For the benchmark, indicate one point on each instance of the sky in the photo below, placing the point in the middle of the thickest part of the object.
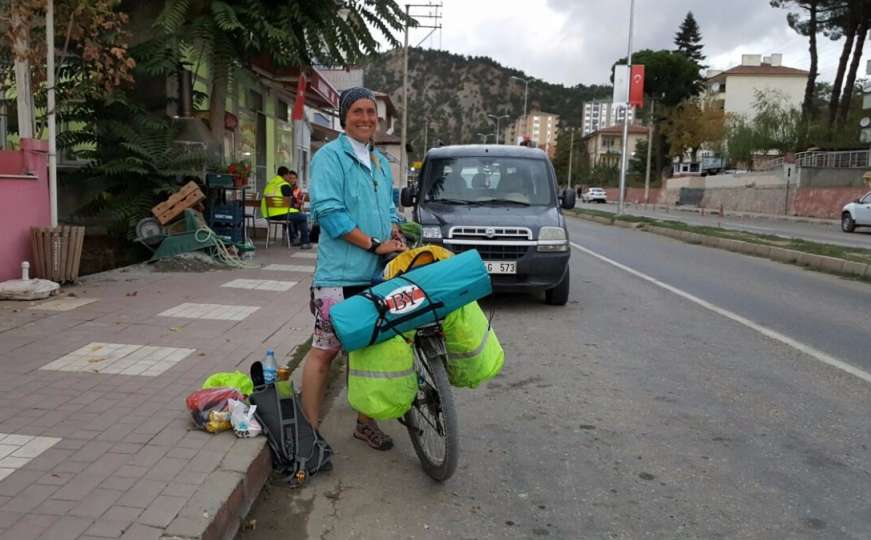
(576, 41)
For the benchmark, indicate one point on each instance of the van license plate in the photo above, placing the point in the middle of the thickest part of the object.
(501, 267)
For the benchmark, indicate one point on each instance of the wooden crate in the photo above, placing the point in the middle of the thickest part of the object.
(189, 195)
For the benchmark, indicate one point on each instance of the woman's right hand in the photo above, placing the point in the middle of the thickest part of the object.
(390, 246)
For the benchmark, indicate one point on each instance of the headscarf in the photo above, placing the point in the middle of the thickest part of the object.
(348, 98)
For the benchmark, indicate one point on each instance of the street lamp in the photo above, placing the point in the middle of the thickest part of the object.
(484, 136)
(497, 119)
(525, 92)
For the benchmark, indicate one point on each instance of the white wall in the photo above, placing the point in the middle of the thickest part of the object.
(741, 91)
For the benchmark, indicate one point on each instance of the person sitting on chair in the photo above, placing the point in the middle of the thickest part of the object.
(281, 190)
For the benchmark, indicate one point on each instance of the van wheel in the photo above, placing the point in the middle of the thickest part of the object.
(847, 223)
(559, 295)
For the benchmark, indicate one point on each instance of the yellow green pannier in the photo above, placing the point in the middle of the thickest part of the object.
(474, 352)
(382, 382)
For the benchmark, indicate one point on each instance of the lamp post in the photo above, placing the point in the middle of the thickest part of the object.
(571, 155)
(497, 119)
(484, 137)
(525, 91)
(623, 156)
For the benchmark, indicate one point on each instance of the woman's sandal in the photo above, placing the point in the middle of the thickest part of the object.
(372, 435)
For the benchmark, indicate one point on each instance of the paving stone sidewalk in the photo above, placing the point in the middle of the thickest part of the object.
(95, 440)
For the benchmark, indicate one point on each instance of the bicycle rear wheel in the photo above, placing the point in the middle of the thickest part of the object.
(432, 419)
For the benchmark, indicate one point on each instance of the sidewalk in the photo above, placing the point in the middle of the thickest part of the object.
(728, 213)
(95, 440)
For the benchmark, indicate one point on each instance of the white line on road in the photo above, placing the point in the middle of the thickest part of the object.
(806, 349)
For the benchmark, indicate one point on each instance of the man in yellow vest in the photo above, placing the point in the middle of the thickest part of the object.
(280, 190)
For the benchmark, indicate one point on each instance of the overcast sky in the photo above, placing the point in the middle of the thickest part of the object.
(576, 41)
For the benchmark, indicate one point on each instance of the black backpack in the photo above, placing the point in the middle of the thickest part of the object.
(298, 451)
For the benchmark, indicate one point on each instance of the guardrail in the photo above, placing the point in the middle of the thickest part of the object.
(852, 159)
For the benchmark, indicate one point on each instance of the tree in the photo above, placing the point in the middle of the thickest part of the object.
(297, 33)
(775, 126)
(638, 161)
(688, 39)
(580, 159)
(692, 125)
(669, 77)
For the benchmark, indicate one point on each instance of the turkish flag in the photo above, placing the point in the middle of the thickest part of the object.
(636, 85)
(299, 103)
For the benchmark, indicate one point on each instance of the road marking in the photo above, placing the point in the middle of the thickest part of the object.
(768, 332)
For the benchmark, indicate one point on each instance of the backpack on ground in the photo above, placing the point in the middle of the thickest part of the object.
(298, 451)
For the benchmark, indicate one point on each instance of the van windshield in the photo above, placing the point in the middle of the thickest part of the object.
(482, 180)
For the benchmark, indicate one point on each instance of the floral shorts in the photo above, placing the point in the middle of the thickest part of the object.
(322, 300)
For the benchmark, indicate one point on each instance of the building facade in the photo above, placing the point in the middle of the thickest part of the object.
(734, 90)
(538, 127)
(603, 114)
(604, 146)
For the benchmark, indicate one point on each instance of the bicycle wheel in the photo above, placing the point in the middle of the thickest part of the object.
(432, 419)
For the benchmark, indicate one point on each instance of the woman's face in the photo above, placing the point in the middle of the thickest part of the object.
(362, 120)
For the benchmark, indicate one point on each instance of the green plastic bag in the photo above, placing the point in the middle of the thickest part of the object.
(237, 380)
(382, 382)
(474, 352)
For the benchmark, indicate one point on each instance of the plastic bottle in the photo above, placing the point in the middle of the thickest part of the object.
(270, 368)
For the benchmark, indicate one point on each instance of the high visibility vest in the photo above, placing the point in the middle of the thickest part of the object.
(273, 190)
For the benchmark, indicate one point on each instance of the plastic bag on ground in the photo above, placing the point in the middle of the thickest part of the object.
(237, 380)
(208, 407)
(242, 419)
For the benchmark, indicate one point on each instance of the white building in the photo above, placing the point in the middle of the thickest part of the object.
(603, 114)
(735, 89)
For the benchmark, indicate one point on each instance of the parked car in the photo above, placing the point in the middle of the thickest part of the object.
(504, 202)
(856, 214)
(594, 194)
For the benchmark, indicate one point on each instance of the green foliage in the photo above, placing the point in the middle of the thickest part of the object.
(669, 77)
(638, 161)
(132, 160)
(775, 126)
(577, 152)
(688, 39)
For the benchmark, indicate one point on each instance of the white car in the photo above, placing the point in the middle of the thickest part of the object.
(594, 194)
(856, 214)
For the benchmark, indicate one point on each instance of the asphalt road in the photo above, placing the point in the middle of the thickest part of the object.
(827, 233)
(633, 412)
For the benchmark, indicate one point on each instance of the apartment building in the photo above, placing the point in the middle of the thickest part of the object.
(735, 89)
(539, 127)
(603, 114)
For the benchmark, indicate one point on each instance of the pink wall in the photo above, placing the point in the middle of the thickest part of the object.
(24, 203)
(825, 202)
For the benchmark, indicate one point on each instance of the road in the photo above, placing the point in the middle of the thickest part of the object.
(661, 402)
(826, 233)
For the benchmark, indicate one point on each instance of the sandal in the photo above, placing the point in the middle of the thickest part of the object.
(372, 435)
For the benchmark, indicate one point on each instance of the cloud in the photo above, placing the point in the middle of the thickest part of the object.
(576, 41)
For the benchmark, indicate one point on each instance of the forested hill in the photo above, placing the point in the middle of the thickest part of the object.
(457, 92)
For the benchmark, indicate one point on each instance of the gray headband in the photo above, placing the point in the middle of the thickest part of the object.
(348, 98)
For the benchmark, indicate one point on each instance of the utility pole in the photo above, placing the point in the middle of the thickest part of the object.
(433, 15)
(52, 127)
(623, 156)
(571, 151)
(425, 135)
(649, 146)
(498, 119)
(525, 92)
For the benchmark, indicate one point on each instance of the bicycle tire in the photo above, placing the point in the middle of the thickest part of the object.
(442, 469)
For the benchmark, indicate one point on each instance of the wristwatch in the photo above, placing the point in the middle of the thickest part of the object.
(375, 243)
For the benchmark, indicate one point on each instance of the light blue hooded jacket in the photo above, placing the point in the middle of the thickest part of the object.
(346, 194)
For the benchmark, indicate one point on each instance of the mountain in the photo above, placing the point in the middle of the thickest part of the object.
(457, 92)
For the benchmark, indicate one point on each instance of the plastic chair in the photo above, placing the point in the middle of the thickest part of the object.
(282, 222)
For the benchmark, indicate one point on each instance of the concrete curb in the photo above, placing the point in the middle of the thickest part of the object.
(216, 510)
(821, 263)
(732, 213)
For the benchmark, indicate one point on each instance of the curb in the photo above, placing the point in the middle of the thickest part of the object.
(733, 213)
(216, 510)
(821, 263)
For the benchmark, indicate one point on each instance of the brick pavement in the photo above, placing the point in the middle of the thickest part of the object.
(106, 453)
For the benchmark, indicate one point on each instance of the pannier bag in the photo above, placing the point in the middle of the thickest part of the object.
(298, 451)
(413, 258)
(474, 352)
(421, 296)
(382, 382)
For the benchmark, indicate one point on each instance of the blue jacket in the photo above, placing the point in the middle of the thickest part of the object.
(345, 194)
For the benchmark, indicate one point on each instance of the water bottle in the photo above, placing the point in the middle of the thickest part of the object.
(270, 368)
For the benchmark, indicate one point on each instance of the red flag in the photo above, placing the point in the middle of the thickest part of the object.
(636, 85)
(299, 103)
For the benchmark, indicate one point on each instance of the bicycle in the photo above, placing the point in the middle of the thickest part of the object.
(432, 420)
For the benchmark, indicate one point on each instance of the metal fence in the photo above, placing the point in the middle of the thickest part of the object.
(853, 159)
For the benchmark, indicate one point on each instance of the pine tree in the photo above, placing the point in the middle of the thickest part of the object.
(689, 39)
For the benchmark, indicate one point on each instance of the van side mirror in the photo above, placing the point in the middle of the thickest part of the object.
(568, 199)
(408, 196)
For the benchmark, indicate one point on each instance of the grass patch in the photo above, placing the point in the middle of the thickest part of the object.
(815, 248)
(298, 353)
